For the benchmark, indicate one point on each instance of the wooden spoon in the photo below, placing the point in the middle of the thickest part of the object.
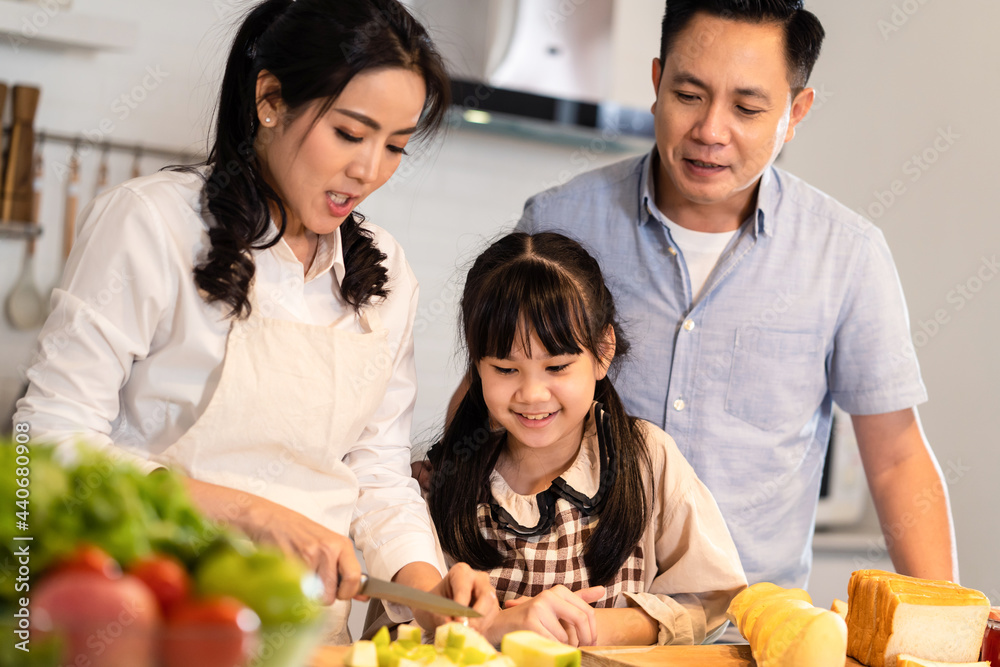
(17, 188)
(26, 306)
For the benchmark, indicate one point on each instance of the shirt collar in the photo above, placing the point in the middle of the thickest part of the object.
(329, 256)
(580, 484)
(768, 196)
(647, 199)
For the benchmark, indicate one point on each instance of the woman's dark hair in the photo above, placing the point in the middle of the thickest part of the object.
(803, 31)
(313, 48)
(545, 284)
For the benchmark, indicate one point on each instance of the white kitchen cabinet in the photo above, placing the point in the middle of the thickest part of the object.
(49, 23)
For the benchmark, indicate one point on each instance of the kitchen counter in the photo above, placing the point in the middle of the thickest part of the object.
(624, 656)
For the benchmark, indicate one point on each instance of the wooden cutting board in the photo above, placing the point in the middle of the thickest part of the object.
(717, 655)
(622, 656)
(329, 656)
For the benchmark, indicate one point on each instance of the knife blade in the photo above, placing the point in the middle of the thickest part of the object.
(413, 597)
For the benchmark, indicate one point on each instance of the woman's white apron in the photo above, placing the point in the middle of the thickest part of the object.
(292, 400)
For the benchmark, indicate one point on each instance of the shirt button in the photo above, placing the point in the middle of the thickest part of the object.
(672, 251)
(679, 404)
(688, 325)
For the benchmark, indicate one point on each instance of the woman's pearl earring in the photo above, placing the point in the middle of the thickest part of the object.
(267, 120)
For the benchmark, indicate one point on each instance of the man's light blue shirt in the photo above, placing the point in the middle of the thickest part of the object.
(804, 307)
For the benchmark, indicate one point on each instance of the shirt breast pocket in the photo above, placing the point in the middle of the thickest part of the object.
(776, 377)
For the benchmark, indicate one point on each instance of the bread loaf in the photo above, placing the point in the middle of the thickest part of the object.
(889, 614)
(904, 660)
(785, 630)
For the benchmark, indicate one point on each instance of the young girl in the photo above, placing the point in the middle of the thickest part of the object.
(542, 480)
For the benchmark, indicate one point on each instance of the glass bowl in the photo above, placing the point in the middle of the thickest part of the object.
(119, 644)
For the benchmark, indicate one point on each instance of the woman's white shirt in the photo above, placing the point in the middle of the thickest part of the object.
(132, 353)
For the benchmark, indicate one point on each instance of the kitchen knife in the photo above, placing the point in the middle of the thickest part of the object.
(413, 597)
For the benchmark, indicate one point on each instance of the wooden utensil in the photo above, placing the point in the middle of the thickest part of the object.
(26, 306)
(3, 101)
(136, 162)
(102, 172)
(17, 190)
(72, 199)
(37, 183)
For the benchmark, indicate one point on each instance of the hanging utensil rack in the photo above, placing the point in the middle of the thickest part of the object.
(21, 230)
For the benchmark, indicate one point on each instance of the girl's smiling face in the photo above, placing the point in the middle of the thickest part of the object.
(540, 399)
(322, 168)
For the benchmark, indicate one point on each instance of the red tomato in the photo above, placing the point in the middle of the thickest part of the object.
(89, 558)
(209, 632)
(100, 621)
(166, 577)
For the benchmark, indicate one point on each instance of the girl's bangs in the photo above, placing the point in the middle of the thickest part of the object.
(524, 298)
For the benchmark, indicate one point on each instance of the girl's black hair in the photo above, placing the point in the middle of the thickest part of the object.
(313, 48)
(545, 284)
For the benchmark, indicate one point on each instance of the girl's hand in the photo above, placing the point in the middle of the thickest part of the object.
(466, 587)
(557, 613)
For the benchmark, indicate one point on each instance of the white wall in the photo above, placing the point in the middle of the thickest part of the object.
(885, 95)
(897, 78)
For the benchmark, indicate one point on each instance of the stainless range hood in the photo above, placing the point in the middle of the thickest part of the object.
(544, 59)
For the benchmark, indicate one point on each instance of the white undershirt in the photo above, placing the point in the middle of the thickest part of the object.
(701, 252)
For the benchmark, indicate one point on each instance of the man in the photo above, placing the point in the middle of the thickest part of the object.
(754, 301)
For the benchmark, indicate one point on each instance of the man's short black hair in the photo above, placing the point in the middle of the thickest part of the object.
(803, 31)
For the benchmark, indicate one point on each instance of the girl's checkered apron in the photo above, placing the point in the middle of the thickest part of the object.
(551, 552)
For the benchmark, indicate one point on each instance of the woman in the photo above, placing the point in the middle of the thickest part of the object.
(258, 259)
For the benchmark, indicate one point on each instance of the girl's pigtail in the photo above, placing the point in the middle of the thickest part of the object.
(627, 507)
(462, 462)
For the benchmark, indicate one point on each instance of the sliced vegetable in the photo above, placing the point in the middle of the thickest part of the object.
(530, 649)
